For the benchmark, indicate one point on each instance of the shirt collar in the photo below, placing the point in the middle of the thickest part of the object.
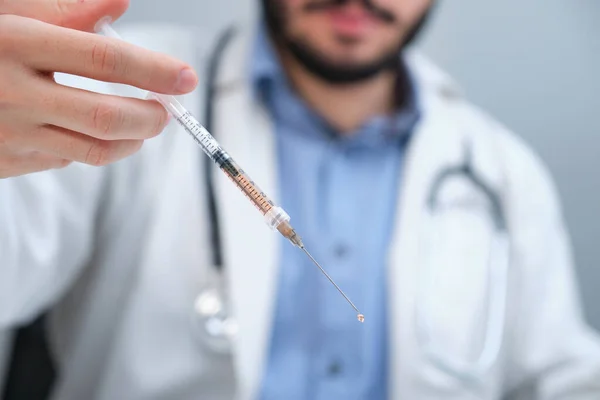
(266, 72)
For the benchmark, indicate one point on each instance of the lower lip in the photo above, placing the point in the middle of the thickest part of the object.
(350, 25)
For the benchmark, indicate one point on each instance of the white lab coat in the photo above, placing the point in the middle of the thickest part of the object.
(120, 253)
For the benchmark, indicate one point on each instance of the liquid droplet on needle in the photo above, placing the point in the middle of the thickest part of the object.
(361, 318)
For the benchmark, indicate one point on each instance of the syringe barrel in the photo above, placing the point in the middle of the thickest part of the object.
(274, 215)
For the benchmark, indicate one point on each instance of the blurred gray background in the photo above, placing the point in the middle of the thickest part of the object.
(533, 64)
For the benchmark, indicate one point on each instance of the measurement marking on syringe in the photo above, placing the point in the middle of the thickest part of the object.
(252, 192)
(248, 188)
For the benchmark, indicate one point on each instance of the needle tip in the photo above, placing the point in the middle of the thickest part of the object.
(361, 318)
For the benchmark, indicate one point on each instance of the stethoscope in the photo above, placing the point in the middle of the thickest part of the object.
(211, 318)
(217, 329)
(469, 372)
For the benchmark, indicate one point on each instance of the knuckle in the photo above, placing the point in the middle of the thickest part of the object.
(107, 118)
(107, 58)
(100, 154)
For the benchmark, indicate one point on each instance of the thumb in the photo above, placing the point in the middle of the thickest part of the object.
(75, 14)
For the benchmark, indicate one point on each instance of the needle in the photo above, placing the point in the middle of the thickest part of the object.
(360, 317)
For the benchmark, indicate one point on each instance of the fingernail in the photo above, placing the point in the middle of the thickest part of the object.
(187, 81)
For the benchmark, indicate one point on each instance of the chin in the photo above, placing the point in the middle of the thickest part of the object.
(354, 54)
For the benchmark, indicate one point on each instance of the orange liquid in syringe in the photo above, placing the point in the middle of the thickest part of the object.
(247, 186)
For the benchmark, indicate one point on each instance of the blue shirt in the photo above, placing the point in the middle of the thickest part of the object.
(341, 192)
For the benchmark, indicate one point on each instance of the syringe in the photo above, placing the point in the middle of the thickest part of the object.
(275, 217)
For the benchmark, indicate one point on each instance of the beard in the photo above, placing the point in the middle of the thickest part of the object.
(319, 64)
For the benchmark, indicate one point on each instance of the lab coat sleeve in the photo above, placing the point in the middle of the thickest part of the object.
(551, 349)
(47, 222)
(46, 234)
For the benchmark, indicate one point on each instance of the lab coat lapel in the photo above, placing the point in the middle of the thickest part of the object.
(250, 247)
(436, 144)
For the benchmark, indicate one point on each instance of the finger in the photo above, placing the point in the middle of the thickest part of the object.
(74, 146)
(74, 14)
(102, 116)
(12, 165)
(47, 47)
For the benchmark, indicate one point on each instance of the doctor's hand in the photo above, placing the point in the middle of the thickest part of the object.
(44, 125)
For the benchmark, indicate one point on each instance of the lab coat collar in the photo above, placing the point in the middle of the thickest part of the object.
(251, 250)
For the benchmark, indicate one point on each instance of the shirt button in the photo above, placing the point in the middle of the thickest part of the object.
(334, 369)
(340, 251)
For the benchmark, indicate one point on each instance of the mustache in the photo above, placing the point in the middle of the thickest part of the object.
(376, 11)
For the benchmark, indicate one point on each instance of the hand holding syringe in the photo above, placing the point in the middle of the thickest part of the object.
(275, 216)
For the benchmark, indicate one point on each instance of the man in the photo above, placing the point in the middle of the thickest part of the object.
(349, 132)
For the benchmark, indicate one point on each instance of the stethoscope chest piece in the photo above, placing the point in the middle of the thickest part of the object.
(212, 321)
